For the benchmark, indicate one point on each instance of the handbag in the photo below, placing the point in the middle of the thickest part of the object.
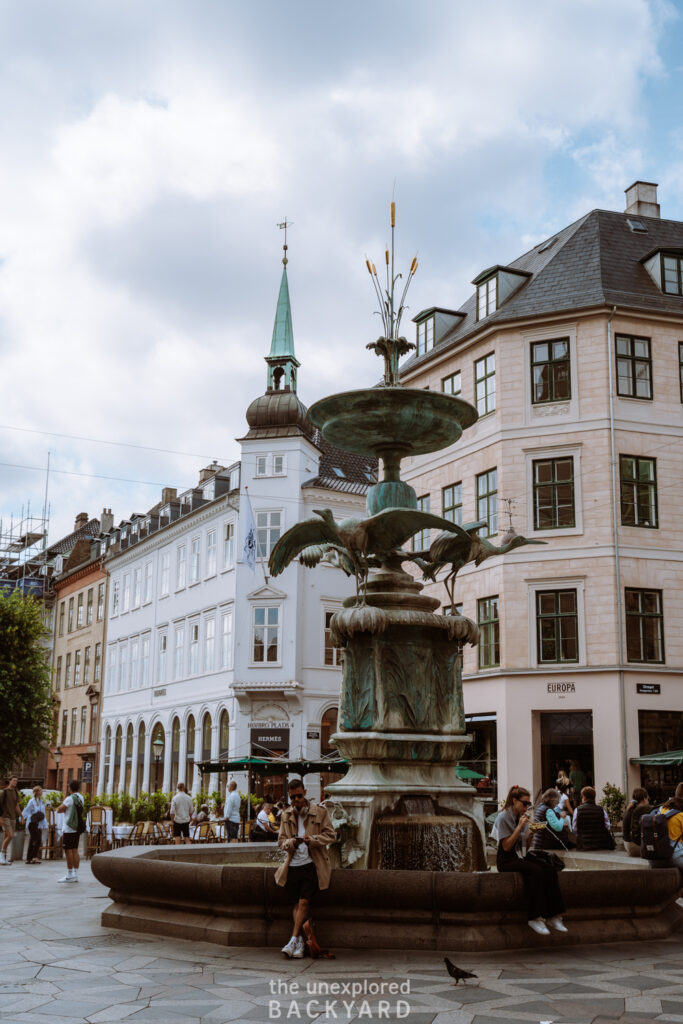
(546, 857)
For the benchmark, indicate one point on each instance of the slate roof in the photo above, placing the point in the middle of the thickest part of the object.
(66, 544)
(354, 467)
(596, 261)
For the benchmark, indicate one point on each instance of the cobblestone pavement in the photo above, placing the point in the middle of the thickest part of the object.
(59, 965)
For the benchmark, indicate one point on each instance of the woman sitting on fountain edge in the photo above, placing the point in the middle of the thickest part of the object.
(544, 899)
(305, 833)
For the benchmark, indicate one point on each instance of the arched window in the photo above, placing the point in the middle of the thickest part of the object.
(107, 759)
(189, 762)
(117, 759)
(223, 743)
(206, 745)
(129, 759)
(158, 745)
(175, 753)
(141, 759)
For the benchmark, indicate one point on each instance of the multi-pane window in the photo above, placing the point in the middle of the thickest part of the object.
(209, 643)
(421, 539)
(487, 502)
(144, 661)
(61, 617)
(58, 674)
(268, 530)
(486, 297)
(226, 638)
(97, 667)
(452, 609)
(65, 726)
(79, 612)
(553, 493)
(425, 336)
(86, 667)
(134, 653)
(557, 626)
(332, 653)
(163, 644)
(115, 597)
(147, 583)
(485, 383)
(451, 503)
(178, 652)
(195, 559)
(94, 709)
(70, 623)
(84, 724)
(137, 582)
(452, 385)
(88, 612)
(111, 667)
(194, 648)
(278, 465)
(266, 634)
(164, 573)
(634, 367)
(100, 601)
(180, 559)
(211, 553)
(67, 671)
(123, 667)
(550, 374)
(125, 592)
(644, 625)
(638, 491)
(77, 668)
(74, 725)
(672, 274)
(228, 545)
(489, 632)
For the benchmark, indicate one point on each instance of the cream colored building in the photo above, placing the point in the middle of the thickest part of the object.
(573, 355)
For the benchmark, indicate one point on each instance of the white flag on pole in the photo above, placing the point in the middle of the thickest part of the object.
(249, 534)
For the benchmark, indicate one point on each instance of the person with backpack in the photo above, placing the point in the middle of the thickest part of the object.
(662, 834)
(10, 812)
(74, 826)
(630, 827)
(591, 824)
(35, 817)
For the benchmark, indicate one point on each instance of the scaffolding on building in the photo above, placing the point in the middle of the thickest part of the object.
(23, 553)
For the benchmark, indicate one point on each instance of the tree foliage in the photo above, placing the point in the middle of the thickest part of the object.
(25, 689)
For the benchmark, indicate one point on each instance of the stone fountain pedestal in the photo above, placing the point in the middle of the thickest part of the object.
(402, 728)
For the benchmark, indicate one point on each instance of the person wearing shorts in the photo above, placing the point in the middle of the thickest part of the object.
(305, 833)
(10, 810)
(181, 811)
(70, 836)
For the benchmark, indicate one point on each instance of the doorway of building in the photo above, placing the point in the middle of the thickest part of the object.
(566, 739)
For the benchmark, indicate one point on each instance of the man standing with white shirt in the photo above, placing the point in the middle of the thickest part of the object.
(233, 802)
(73, 826)
(181, 812)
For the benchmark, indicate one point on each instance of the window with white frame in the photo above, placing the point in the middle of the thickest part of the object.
(261, 465)
(332, 654)
(266, 635)
(486, 297)
(112, 652)
(228, 545)
(425, 336)
(77, 668)
(84, 724)
(86, 667)
(125, 592)
(123, 667)
(211, 553)
(97, 667)
(268, 531)
(178, 651)
(226, 637)
(278, 465)
(88, 612)
(195, 559)
(181, 555)
(79, 612)
(164, 573)
(100, 601)
(144, 660)
(209, 643)
(137, 586)
(194, 648)
(134, 651)
(163, 650)
(67, 671)
(147, 583)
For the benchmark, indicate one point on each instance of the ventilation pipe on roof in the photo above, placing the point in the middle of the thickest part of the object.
(641, 199)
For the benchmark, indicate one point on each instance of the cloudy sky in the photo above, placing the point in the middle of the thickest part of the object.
(149, 149)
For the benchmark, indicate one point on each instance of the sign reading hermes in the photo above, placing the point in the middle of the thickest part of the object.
(561, 687)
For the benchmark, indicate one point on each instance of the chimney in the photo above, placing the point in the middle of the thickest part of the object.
(168, 494)
(81, 520)
(641, 199)
(209, 471)
(106, 520)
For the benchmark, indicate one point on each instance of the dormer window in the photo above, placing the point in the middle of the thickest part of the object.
(425, 336)
(339, 472)
(486, 297)
(672, 274)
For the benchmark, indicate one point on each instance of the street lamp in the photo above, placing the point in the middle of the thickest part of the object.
(158, 749)
(57, 757)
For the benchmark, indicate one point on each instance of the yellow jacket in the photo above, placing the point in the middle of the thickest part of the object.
(321, 831)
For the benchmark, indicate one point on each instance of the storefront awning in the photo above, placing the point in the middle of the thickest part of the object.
(468, 773)
(667, 759)
(275, 766)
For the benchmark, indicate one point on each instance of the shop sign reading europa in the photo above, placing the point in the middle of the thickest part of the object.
(561, 687)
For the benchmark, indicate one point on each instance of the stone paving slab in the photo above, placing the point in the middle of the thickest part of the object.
(59, 966)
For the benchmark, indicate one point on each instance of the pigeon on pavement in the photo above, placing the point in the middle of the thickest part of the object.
(457, 972)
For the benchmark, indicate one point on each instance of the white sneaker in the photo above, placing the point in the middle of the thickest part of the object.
(557, 924)
(3, 858)
(538, 926)
(291, 947)
(74, 878)
(66, 878)
(299, 951)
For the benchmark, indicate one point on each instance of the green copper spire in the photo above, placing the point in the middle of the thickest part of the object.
(282, 363)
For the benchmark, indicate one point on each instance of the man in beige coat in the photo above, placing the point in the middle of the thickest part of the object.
(305, 833)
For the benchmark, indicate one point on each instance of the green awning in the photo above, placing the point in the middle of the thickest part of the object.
(667, 759)
(467, 773)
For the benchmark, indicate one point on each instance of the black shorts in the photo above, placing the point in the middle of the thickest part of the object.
(181, 828)
(302, 883)
(232, 829)
(70, 840)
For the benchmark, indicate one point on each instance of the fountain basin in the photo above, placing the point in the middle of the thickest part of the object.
(201, 894)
